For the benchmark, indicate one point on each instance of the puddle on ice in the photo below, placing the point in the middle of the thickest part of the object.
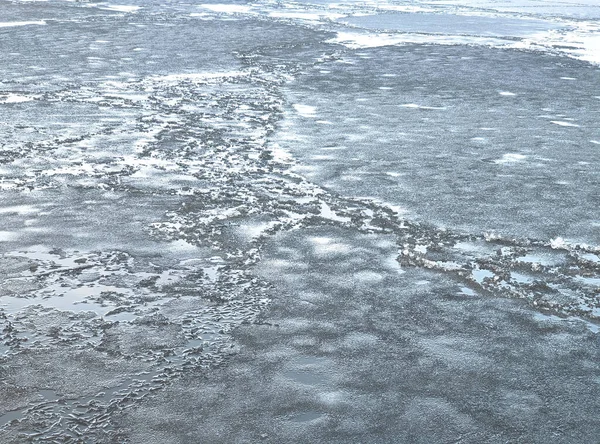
(591, 257)
(306, 416)
(11, 416)
(521, 278)
(73, 300)
(480, 274)
(305, 377)
(545, 260)
(428, 23)
(310, 361)
(467, 291)
(589, 281)
(543, 317)
(477, 247)
(547, 317)
(49, 395)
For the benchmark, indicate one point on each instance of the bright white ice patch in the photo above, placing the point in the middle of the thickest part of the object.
(7, 236)
(325, 246)
(312, 16)
(328, 213)
(121, 8)
(14, 98)
(506, 93)
(227, 9)
(19, 209)
(305, 110)
(558, 243)
(582, 42)
(563, 123)
(9, 24)
(510, 158)
(356, 40)
(198, 77)
(415, 106)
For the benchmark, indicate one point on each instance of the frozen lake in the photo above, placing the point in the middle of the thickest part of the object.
(313, 221)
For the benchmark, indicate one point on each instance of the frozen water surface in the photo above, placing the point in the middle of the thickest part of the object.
(317, 221)
(452, 24)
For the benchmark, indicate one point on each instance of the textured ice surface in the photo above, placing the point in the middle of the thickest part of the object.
(219, 224)
(398, 359)
(477, 146)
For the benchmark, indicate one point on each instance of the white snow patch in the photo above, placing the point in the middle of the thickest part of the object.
(510, 158)
(415, 106)
(121, 8)
(563, 123)
(312, 16)
(7, 236)
(14, 98)
(421, 249)
(328, 213)
(355, 40)
(506, 93)
(227, 9)
(19, 209)
(558, 243)
(305, 110)
(199, 77)
(581, 42)
(10, 24)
